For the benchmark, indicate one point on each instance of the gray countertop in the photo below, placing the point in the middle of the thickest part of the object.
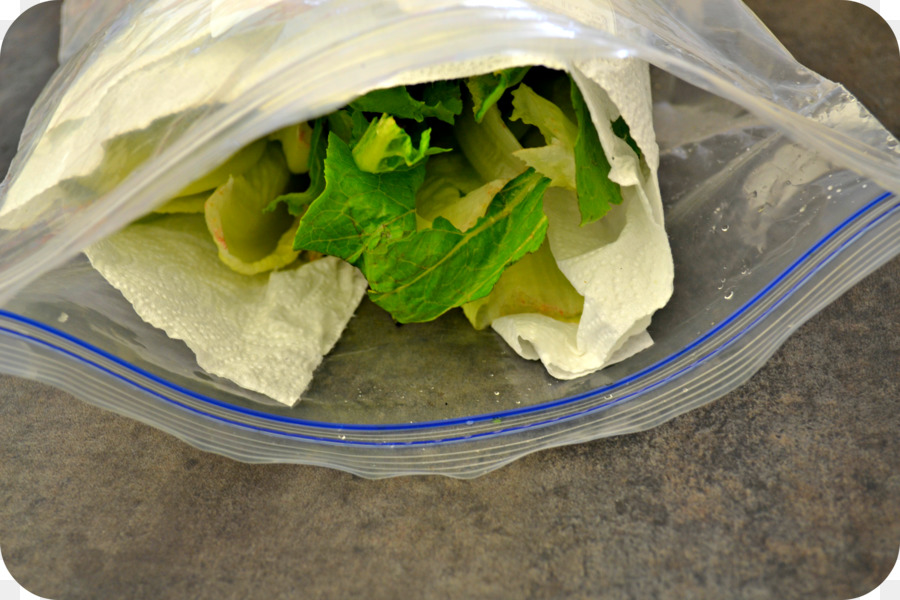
(787, 487)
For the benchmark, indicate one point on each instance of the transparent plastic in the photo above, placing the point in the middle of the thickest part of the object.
(775, 182)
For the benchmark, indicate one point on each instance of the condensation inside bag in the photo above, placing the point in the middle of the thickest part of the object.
(750, 131)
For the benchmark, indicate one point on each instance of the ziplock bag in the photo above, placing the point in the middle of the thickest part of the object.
(773, 180)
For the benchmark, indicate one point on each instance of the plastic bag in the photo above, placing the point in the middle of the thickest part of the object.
(772, 176)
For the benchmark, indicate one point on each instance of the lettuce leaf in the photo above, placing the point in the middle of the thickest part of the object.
(487, 89)
(533, 285)
(348, 124)
(296, 143)
(448, 178)
(596, 191)
(419, 277)
(369, 220)
(385, 147)
(440, 100)
(489, 146)
(357, 209)
(297, 202)
(236, 217)
(621, 129)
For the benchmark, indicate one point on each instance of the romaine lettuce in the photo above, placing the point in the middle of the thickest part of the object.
(435, 192)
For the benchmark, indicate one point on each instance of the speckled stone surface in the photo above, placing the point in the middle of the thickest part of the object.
(786, 488)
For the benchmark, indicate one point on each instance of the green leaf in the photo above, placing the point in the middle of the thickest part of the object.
(440, 100)
(298, 201)
(358, 209)
(487, 89)
(531, 108)
(533, 285)
(235, 213)
(462, 210)
(419, 277)
(596, 192)
(385, 147)
(296, 142)
(348, 124)
(448, 178)
(443, 99)
(555, 160)
(489, 146)
(621, 129)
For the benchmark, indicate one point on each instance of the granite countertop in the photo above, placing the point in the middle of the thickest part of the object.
(787, 487)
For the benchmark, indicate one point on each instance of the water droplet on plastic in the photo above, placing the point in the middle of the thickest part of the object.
(721, 284)
(608, 397)
(724, 228)
(830, 187)
(745, 271)
(496, 393)
(62, 318)
(470, 422)
(839, 190)
(729, 295)
(865, 185)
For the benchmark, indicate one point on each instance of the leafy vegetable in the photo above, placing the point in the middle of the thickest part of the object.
(357, 208)
(621, 129)
(385, 147)
(448, 178)
(296, 142)
(298, 201)
(420, 277)
(487, 89)
(489, 146)
(435, 192)
(184, 204)
(596, 192)
(533, 285)
(440, 100)
(348, 124)
(235, 214)
(369, 220)
(557, 159)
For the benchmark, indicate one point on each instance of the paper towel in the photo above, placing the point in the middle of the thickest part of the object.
(622, 264)
(268, 332)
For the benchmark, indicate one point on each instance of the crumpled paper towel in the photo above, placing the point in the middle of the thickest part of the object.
(267, 332)
(622, 264)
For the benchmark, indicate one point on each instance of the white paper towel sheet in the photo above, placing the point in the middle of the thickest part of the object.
(268, 332)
